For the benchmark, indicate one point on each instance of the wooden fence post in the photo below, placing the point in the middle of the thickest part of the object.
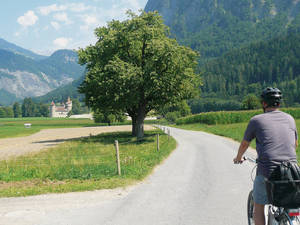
(118, 157)
(157, 142)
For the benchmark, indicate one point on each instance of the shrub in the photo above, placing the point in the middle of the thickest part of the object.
(172, 116)
(222, 117)
(251, 102)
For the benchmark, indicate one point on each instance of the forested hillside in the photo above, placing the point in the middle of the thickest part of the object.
(245, 45)
(249, 69)
(62, 93)
(63, 63)
(214, 27)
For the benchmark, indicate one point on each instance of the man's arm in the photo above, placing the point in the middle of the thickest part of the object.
(242, 149)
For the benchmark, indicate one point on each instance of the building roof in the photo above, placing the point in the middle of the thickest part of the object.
(61, 109)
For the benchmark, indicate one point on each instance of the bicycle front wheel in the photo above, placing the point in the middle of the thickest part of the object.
(250, 207)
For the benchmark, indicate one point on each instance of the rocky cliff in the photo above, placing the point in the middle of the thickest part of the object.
(23, 76)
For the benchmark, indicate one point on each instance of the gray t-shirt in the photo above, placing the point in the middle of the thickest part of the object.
(276, 136)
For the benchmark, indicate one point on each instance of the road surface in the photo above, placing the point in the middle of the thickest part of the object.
(197, 185)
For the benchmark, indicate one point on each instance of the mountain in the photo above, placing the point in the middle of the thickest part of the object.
(5, 45)
(63, 63)
(214, 27)
(60, 94)
(7, 98)
(22, 76)
(245, 45)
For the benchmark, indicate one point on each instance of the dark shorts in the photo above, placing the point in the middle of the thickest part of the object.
(259, 190)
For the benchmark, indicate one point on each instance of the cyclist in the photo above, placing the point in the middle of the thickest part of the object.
(276, 139)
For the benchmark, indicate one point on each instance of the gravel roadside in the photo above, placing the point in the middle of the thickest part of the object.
(11, 147)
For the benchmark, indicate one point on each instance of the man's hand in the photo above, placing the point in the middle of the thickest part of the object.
(242, 149)
(238, 160)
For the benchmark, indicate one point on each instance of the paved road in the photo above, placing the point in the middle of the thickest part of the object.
(197, 184)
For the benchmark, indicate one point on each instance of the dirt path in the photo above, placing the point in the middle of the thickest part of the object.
(11, 147)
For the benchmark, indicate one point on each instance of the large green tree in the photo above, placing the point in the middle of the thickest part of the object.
(2, 112)
(28, 108)
(135, 67)
(17, 110)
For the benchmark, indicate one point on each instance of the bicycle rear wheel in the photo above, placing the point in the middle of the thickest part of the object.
(296, 220)
(250, 207)
(284, 220)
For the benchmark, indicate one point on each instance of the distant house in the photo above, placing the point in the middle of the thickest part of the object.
(62, 110)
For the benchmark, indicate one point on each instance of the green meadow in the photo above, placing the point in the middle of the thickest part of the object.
(84, 164)
(234, 131)
(15, 127)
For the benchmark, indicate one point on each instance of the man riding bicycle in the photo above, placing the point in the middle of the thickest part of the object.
(276, 139)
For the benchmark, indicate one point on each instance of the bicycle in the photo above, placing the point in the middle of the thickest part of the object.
(274, 215)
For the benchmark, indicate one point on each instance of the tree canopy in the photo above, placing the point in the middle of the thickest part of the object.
(135, 67)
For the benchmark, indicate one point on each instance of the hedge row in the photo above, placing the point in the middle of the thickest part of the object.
(225, 117)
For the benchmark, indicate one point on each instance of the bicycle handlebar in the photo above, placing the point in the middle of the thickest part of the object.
(250, 159)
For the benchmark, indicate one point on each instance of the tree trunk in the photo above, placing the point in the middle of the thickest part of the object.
(140, 128)
(140, 122)
(138, 117)
(134, 125)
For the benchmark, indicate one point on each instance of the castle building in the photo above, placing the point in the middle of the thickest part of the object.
(62, 110)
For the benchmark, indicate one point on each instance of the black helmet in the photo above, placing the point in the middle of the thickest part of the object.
(271, 96)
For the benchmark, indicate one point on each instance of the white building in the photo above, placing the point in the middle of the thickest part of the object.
(62, 110)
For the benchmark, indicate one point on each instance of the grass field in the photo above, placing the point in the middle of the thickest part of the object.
(84, 164)
(15, 127)
(234, 131)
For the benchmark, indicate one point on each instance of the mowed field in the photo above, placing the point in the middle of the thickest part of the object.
(14, 127)
(66, 155)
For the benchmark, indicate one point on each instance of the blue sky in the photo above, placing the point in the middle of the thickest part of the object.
(44, 26)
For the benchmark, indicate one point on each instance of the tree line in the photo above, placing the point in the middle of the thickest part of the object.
(26, 109)
(250, 69)
(30, 108)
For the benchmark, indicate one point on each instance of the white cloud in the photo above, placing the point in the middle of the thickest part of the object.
(90, 22)
(45, 52)
(56, 25)
(74, 7)
(62, 17)
(62, 42)
(29, 19)
(46, 28)
(84, 28)
(46, 10)
(78, 7)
